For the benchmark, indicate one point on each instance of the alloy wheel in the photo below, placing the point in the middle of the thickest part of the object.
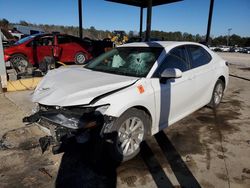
(80, 58)
(130, 134)
(20, 64)
(218, 93)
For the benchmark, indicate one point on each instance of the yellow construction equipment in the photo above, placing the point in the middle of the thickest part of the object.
(119, 37)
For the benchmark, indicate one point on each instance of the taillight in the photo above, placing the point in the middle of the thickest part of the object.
(6, 57)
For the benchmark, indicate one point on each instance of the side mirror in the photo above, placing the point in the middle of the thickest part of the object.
(171, 73)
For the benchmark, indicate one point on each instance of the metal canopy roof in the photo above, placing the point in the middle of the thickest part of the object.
(143, 3)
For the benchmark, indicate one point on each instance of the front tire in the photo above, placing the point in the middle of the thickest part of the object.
(20, 63)
(217, 95)
(131, 127)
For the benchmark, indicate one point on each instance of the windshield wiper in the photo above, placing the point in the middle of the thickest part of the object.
(113, 72)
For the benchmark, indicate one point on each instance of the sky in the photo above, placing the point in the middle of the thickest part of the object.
(185, 16)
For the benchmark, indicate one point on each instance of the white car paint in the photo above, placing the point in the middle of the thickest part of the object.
(166, 103)
(74, 86)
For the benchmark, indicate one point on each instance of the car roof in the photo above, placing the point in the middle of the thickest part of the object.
(164, 44)
(51, 34)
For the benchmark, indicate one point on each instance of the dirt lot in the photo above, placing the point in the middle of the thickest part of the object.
(206, 149)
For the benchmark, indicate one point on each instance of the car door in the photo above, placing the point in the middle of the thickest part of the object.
(67, 48)
(174, 95)
(43, 47)
(202, 69)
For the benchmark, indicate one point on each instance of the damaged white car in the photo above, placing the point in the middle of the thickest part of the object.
(135, 90)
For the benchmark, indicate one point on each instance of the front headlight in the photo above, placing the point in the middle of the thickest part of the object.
(102, 109)
(72, 122)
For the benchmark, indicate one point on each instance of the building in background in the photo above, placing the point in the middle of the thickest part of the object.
(7, 38)
(27, 30)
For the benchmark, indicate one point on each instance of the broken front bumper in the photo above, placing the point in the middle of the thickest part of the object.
(64, 125)
(67, 120)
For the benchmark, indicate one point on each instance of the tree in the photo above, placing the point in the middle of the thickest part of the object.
(187, 37)
(93, 33)
(221, 40)
(198, 38)
(247, 42)
(130, 34)
(4, 23)
(236, 40)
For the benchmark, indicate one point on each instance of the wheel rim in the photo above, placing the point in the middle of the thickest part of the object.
(80, 58)
(218, 93)
(130, 135)
(20, 64)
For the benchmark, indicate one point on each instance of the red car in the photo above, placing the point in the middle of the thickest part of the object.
(31, 50)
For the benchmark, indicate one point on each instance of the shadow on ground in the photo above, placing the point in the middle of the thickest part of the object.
(178, 166)
(92, 164)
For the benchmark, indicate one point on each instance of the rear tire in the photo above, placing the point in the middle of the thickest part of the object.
(217, 95)
(80, 58)
(131, 127)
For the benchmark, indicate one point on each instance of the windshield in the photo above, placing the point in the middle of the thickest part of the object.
(129, 61)
(25, 39)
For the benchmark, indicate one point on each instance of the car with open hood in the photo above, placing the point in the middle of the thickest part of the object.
(134, 90)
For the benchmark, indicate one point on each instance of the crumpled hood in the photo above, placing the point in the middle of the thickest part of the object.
(77, 86)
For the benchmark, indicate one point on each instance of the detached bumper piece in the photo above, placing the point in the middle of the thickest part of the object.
(65, 125)
(45, 142)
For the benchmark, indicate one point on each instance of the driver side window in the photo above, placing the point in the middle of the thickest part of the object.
(172, 61)
(175, 59)
(44, 41)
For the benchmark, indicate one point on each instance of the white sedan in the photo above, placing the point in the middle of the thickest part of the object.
(138, 89)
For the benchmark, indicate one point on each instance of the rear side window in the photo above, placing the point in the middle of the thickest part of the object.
(198, 56)
(63, 39)
(75, 39)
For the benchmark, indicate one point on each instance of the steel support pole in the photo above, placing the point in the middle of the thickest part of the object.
(80, 17)
(3, 75)
(228, 35)
(209, 20)
(149, 16)
(141, 21)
